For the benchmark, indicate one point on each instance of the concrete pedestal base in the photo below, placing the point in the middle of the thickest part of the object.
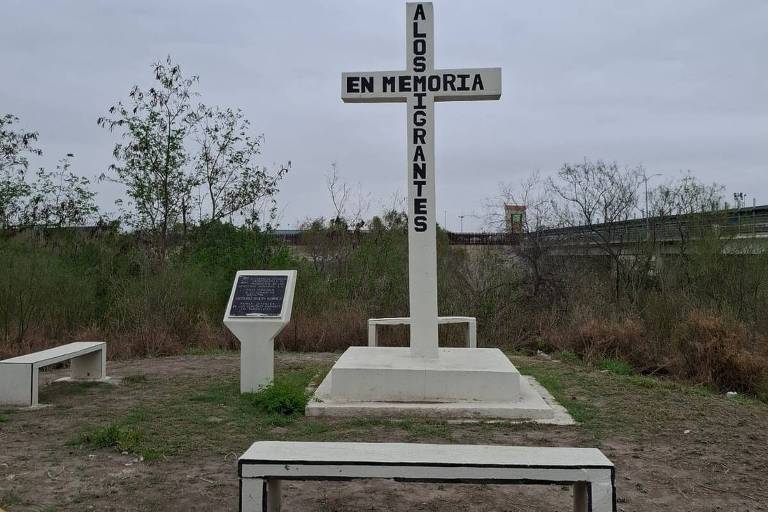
(460, 383)
(256, 365)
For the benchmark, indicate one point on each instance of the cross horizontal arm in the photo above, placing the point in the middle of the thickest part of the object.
(439, 84)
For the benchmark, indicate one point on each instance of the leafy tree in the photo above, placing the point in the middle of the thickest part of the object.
(151, 162)
(233, 182)
(15, 147)
(61, 198)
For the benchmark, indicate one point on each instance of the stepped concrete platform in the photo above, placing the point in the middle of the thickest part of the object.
(460, 383)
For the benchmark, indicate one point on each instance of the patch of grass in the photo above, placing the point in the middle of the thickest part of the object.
(285, 396)
(126, 439)
(426, 428)
(646, 382)
(581, 410)
(53, 393)
(364, 423)
(315, 428)
(136, 416)
(214, 351)
(616, 366)
(135, 379)
(150, 455)
(576, 392)
(125, 436)
(697, 389)
(3, 418)
(568, 357)
(10, 498)
(79, 388)
(221, 393)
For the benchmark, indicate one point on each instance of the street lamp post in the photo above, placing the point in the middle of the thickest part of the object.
(646, 179)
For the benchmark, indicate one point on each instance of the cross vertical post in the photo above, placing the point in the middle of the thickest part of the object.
(422, 226)
(419, 86)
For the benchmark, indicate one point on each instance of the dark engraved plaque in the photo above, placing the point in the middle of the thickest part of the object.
(258, 296)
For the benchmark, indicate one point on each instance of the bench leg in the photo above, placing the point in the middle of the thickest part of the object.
(581, 497)
(472, 334)
(259, 495)
(371, 334)
(91, 366)
(593, 497)
(252, 495)
(273, 495)
(18, 384)
(602, 497)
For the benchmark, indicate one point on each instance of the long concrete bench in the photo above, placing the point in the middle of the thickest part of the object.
(404, 320)
(19, 375)
(266, 463)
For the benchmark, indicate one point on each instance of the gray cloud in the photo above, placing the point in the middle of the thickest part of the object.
(672, 85)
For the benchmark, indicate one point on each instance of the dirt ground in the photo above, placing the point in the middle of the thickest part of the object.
(675, 448)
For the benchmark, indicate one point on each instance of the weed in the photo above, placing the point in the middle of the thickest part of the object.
(222, 393)
(285, 396)
(616, 366)
(314, 428)
(209, 351)
(426, 428)
(125, 436)
(9, 499)
(135, 379)
(126, 439)
(568, 357)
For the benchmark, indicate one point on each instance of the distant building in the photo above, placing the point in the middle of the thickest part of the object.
(514, 218)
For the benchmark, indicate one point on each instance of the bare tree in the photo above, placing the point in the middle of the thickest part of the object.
(538, 237)
(682, 205)
(597, 199)
(351, 205)
(339, 191)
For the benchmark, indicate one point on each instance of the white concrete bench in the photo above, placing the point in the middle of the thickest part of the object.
(266, 463)
(404, 320)
(19, 375)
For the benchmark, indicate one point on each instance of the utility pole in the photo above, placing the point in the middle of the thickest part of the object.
(739, 198)
(461, 217)
(646, 179)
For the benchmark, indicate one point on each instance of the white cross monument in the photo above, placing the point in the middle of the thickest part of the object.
(420, 86)
(424, 380)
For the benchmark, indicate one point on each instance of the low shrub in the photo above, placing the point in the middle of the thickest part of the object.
(709, 350)
(285, 396)
(595, 341)
(616, 366)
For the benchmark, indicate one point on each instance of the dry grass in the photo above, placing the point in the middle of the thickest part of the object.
(708, 350)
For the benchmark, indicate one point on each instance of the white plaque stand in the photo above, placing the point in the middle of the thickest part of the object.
(257, 333)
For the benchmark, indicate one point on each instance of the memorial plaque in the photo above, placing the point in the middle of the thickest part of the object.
(258, 296)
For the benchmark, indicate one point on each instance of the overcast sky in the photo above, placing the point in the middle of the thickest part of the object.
(672, 85)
